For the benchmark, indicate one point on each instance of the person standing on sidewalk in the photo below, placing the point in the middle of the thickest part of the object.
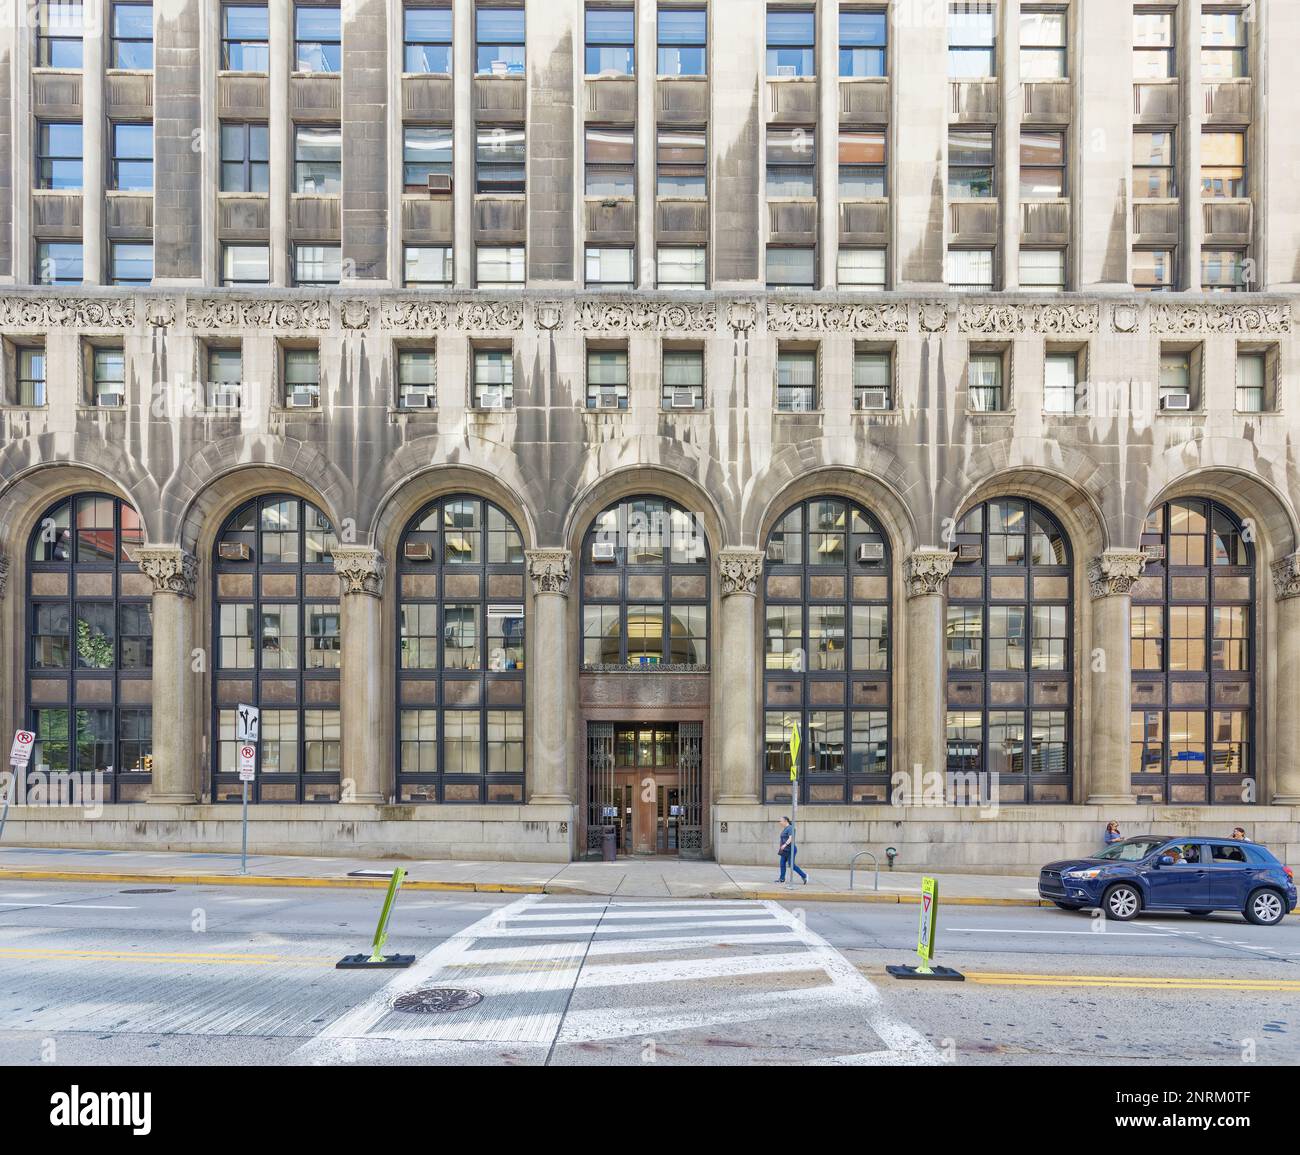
(788, 851)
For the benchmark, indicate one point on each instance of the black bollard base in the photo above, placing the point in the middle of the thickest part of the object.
(945, 973)
(363, 962)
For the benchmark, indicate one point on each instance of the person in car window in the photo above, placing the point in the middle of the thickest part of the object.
(1176, 854)
(1112, 833)
(1239, 833)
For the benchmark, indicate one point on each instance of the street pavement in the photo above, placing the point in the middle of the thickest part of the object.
(121, 974)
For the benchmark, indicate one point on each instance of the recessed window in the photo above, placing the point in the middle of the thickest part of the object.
(1176, 379)
(245, 38)
(1252, 378)
(318, 160)
(108, 376)
(609, 268)
(225, 377)
(426, 152)
(1153, 166)
(970, 270)
(791, 162)
(1042, 270)
(1223, 270)
(972, 41)
(1153, 46)
(59, 155)
(796, 381)
(494, 379)
(1060, 382)
(499, 41)
(1223, 164)
(1042, 44)
(970, 163)
(302, 378)
(417, 378)
(58, 263)
(132, 157)
(683, 379)
(59, 31)
(1042, 164)
(610, 41)
(864, 39)
(872, 380)
(245, 265)
(681, 163)
(681, 268)
(1224, 40)
(245, 158)
(791, 39)
(502, 268)
(426, 40)
(317, 264)
(500, 157)
(1153, 270)
(318, 39)
(984, 383)
(132, 45)
(609, 162)
(130, 263)
(791, 268)
(862, 164)
(607, 384)
(683, 41)
(428, 265)
(861, 269)
(30, 363)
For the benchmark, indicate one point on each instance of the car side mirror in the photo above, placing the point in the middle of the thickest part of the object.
(1164, 860)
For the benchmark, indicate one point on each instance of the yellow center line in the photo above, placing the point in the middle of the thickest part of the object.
(1132, 982)
(157, 956)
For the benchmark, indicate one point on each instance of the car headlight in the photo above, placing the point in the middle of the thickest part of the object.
(1093, 873)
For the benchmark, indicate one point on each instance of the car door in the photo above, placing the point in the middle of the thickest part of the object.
(1229, 873)
(1183, 886)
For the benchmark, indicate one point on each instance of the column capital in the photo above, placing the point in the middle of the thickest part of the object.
(548, 570)
(172, 570)
(740, 570)
(926, 571)
(1114, 572)
(360, 569)
(4, 575)
(1286, 577)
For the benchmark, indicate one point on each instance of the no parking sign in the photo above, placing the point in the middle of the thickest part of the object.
(247, 762)
(21, 752)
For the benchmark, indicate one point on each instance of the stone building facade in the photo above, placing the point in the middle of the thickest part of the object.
(539, 410)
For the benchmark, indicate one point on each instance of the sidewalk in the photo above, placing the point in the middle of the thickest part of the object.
(626, 878)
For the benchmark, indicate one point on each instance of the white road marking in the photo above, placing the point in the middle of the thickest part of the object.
(64, 906)
(993, 930)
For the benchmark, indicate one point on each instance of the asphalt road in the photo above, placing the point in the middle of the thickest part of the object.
(105, 974)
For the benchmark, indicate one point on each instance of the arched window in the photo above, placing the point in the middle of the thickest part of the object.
(1193, 657)
(827, 653)
(460, 647)
(645, 588)
(1010, 655)
(277, 645)
(90, 646)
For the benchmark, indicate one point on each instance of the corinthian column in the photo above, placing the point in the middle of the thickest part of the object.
(173, 571)
(361, 572)
(1285, 784)
(1111, 577)
(924, 742)
(548, 655)
(736, 667)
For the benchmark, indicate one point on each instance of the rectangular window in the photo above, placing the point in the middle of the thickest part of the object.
(426, 41)
(791, 162)
(683, 41)
(499, 156)
(1060, 382)
(494, 378)
(130, 263)
(970, 163)
(245, 265)
(873, 374)
(1224, 41)
(302, 378)
(783, 638)
(607, 386)
(1043, 44)
(59, 155)
(417, 378)
(609, 162)
(426, 152)
(1223, 270)
(861, 269)
(1006, 638)
(681, 268)
(970, 270)
(1153, 46)
(499, 41)
(318, 39)
(1175, 379)
(245, 38)
(1153, 270)
(60, 27)
(322, 741)
(1042, 270)
(681, 163)
(862, 164)
(430, 265)
(984, 379)
(31, 375)
(318, 160)
(1223, 164)
(1187, 638)
(964, 638)
(225, 378)
(1230, 643)
(419, 741)
(1251, 382)
(1042, 164)
(317, 264)
(462, 747)
(864, 43)
(108, 376)
(1153, 166)
(972, 41)
(683, 379)
(791, 268)
(245, 158)
(135, 740)
(610, 41)
(132, 157)
(132, 45)
(791, 39)
(1147, 634)
(502, 268)
(58, 263)
(505, 742)
(609, 268)
(796, 381)
(321, 641)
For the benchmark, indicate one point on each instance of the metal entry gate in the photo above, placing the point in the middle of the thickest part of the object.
(604, 807)
(690, 768)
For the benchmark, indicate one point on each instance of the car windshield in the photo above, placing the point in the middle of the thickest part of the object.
(1132, 850)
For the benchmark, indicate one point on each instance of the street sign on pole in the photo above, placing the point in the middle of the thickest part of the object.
(247, 763)
(248, 724)
(21, 751)
(794, 798)
(925, 937)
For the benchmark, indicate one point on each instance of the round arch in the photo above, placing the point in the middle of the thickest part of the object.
(646, 481)
(1248, 496)
(411, 494)
(1072, 506)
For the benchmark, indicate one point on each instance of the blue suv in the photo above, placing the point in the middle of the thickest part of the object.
(1154, 872)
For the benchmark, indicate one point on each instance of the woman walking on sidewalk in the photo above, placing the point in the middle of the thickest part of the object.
(788, 851)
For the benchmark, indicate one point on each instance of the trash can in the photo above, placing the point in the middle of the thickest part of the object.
(609, 844)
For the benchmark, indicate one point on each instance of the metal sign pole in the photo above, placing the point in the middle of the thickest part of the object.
(243, 853)
(795, 744)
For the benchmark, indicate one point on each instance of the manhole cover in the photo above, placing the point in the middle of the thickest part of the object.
(437, 1001)
(151, 890)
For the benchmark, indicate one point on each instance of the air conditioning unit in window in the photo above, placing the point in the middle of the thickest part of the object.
(416, 400)
(607, 400)
(225, 398)
(1179, 401)
(110, 400)
(870, 551)
(602, 551)
(302, 399)
(418, 551)
(439, 182)
(683, 399)
(233, 551)
(491, 399)
(970, 552)
(873, 399)
(1153, 552)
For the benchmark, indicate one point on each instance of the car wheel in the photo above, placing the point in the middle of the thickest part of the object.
(1265, 908)
(1122, 902)
(1068, 905)
(1198, 913)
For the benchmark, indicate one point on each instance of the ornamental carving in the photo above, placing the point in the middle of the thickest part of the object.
(799, 316)
(412, 315)
(739, 571)
(171, 569)
(355, 314)
(4, 575)
(548, 570)
(1067, 320)
(548, 315)
(1286, 577)
(1179, 319)
(67, 312)
(627, 316)
(489, 316)
(933, 316)
(247, 313)
(1115, 572)
(926, 571)
(160, 313)
(741, 316)
(360, 569)
(992, 320)
(1124, 318)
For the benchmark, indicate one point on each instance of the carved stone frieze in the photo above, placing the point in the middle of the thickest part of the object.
(993, 320)
(548, 315)
(740, 570)
(1114, 572)
(1286, 577)
(171, 569)
(741, 316)
(933, 316)
(490, 316)
(926, 571)
(1271, 317)
(802, 316)
(1066, 320)
(44, 312)
(548, 570)
(361, 569)
(633, 316)
(412, 314)
(355, 314)
(255, 313)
